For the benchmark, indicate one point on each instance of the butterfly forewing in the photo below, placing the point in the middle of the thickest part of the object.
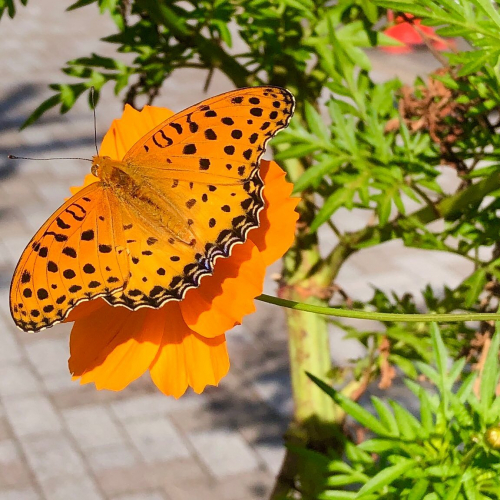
(77, 255)
(205, 161)
(218, 139)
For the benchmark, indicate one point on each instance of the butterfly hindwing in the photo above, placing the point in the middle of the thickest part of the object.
(77, 255)
(163, 265)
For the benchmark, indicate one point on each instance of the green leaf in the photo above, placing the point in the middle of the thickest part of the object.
(356, 411)
(489, 10)
(316, 123)
(387, 418)
(404, 364)
(408, 425)
(441, 356)
(334, 201)
(419, 490)
(386, 477)
(475, 284)
(314, 174)
(444, 471)
(404, 6)
(471, 491)
(378, 445)
(297, 151)
(69, 95)
(426, 411)
(466, 387)
(454, 489)
(456, 371)
(384, 206)
(489, 374)
(337, 495)
(44, 107)
(80, 3)
(460, 412)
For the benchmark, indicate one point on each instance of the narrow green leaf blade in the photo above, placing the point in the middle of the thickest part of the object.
(356, 411)
(386, 477)
(44, 107)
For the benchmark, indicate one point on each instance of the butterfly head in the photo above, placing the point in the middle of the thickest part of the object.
(99, 164)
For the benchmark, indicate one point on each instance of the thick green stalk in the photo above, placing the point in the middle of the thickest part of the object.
(316, 417)
(308, 335)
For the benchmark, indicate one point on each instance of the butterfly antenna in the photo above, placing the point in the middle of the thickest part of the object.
(12, 157)
(92, 99)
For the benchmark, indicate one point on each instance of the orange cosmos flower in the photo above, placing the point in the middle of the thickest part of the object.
(183, 343)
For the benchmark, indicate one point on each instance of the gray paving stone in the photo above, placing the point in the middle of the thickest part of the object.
(10, 351)
(14, 475)
(49, 355)
(53, 456)
(156, 439)
(74, 488)
(275, 388)
(92, 426)
(146, 495)
(150, 405)
(58, 381)
(33, 414)
(17, 379)
(32, 216)
(53, 194)
(20, 494)
(189, 491)
(14, 245)
(223, 451)
(111, 456)
(14, 472)
(254, 485)
(145, 405)
(8, 452)
(136, 479)
(4, 307)
(5, 432)
(272, 455)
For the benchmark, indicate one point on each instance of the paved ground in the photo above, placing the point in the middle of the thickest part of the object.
(59, 440)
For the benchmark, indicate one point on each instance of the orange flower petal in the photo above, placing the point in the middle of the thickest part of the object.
(276, 232)
(185, 358)
(183, 343)
(85, 309)
(131, 127)
(114, 346)
(221, 300)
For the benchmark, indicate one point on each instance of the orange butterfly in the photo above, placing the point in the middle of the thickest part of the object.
(157, 221)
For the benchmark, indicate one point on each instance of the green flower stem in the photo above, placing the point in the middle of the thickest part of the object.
(378, 316)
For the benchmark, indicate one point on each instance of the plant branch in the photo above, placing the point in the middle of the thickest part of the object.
(212, 54)
(378, 316)
(448, 207)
